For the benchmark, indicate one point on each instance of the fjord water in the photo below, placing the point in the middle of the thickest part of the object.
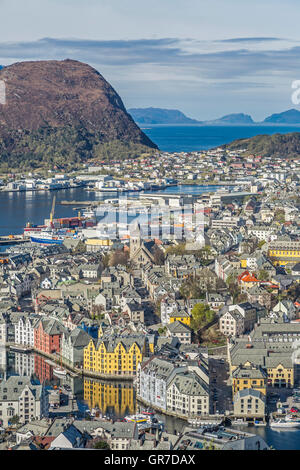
(192, 138)
(18, 208)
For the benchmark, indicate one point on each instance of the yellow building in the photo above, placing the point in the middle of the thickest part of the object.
(111, 398)
(115, 356)
(249, 377)
(182, 316)
(282, 253)
(280, 374)
(95, 244)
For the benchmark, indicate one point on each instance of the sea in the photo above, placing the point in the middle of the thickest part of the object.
(191, 138)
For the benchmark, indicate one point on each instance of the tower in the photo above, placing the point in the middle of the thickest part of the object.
(135, 240)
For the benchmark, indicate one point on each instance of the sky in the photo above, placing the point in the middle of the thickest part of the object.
(206, 58)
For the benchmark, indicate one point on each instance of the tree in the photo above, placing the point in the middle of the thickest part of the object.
(119, 257)
(201, 316)
(159, 257)
(101, 445)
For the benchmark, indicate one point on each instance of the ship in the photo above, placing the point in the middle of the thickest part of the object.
(47, 238)
(284, 424)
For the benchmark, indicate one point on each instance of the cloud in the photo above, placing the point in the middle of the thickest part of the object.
(166, 67)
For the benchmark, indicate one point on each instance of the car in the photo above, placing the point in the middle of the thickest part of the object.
(294, 410)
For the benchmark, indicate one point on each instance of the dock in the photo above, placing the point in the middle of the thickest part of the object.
(15, 240)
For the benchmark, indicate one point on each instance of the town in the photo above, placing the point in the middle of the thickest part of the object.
(196, 320)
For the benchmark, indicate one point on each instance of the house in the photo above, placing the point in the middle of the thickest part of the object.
(249, 402)
(70, 438)
(47, 335)
(231, 323)
(20, 397)
(180, 331)
(73, 344)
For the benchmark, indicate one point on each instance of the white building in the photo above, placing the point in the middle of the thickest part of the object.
(19, 397)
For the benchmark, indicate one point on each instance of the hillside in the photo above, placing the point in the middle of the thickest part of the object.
(63, 113)
(276, 145)
(160, 116)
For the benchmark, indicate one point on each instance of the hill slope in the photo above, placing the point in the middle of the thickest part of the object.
(276, 145)
(62, 112)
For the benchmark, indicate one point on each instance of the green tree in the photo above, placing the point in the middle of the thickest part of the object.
(201, 316)
(101, 445)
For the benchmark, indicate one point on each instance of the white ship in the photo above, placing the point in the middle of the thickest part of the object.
(285, 424)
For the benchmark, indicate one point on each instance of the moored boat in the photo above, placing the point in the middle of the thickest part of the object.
(282, 423)
(59, 371)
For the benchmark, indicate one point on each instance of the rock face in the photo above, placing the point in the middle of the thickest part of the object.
(64, 93)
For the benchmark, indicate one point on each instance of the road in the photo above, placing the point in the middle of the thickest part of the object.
(220, 389)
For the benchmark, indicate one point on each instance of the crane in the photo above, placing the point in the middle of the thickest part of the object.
(52, 210)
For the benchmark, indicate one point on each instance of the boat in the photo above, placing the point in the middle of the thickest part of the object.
(59, 371)
(282, 423)
(136, 418)
(47, 238)
(20, 348)
(259, 423)
(239, 422)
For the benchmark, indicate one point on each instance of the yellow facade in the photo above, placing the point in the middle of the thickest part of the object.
(281, 376)
(244, 263)
(185, 320)
(98, 242)
(284, 256)
(242, 383)
(277, 376)
(115, 398)
(123, 360)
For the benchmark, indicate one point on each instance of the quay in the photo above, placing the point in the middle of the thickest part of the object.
(15, 240)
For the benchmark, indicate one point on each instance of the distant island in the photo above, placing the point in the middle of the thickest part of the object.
(156, 116)
(160, 116)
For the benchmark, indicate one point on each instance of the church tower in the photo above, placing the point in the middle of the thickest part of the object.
(135, 240)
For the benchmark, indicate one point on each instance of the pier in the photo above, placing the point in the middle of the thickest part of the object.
(15, 240)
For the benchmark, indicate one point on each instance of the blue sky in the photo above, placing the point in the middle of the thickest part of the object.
(205, 57)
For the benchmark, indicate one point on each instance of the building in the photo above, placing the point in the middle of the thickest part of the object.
(47, 335)
(245, 377)
(180, 331)
(115, 355)
(249, 403)
(73, 344)
(284, 252)
(24, 330)
(19, 397)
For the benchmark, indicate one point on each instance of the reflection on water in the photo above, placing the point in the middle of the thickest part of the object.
(115, 399)
(112, 398)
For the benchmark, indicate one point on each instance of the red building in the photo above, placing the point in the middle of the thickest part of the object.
(47, 335)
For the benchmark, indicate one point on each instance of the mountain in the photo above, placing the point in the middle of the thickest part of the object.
(292, 116)
(160, 116)
(63, 113)
(238, 118)
(276, 145)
